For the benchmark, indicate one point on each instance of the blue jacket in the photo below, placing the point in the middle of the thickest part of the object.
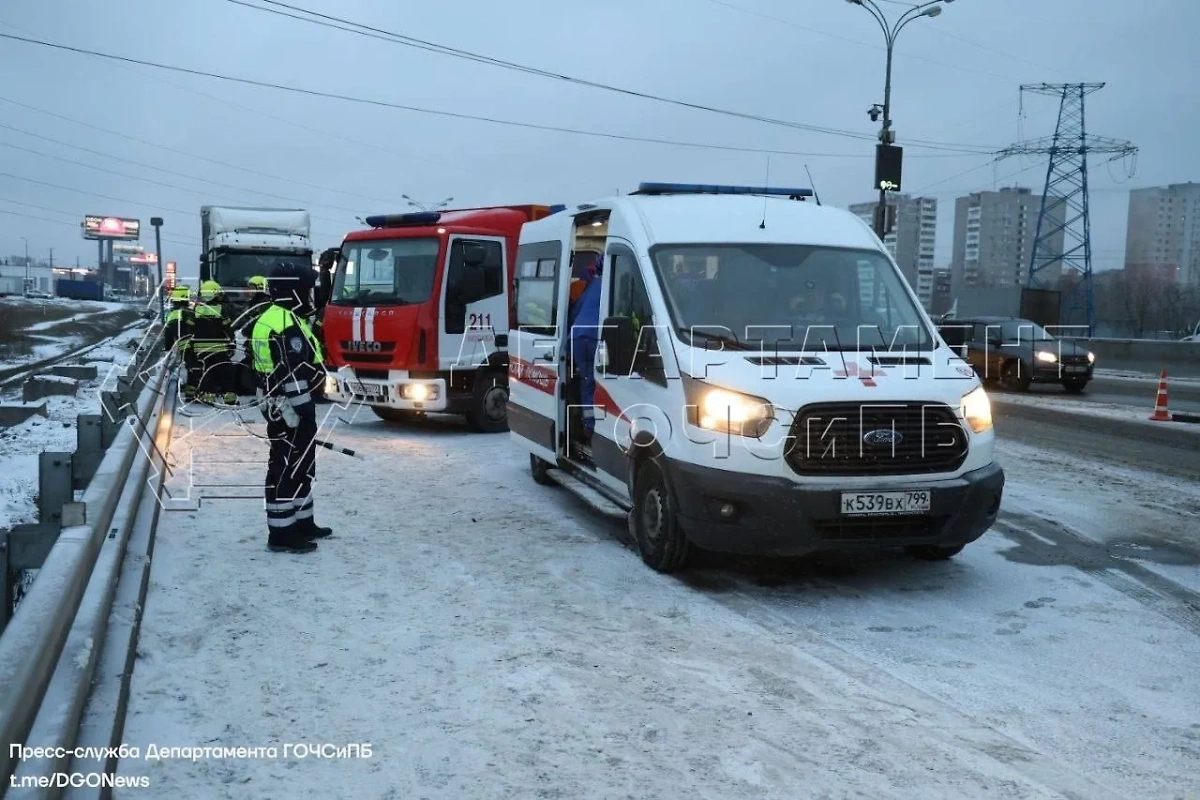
(587, 311)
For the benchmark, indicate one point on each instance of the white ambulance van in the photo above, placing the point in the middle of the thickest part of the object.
(765, 380)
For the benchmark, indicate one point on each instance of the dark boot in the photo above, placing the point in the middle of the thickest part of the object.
(309, 529)
(289, 540)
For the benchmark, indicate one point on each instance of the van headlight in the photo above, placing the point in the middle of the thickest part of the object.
(726, 411)
(1091, 358)
(1046, 356)
(977, 410)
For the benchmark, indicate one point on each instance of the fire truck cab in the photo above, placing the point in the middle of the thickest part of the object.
(419, 313)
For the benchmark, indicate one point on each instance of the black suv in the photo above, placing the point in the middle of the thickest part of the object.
(1016, 352)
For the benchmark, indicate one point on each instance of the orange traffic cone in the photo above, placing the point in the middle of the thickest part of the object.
(1160, 404)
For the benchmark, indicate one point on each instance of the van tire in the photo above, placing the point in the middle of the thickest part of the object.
(489, 403)
(930, 552)
(540, 468)
(395, 414)
(656, 530)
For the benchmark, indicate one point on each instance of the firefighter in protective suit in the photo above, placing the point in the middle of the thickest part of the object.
(287, 359)
(212, 342)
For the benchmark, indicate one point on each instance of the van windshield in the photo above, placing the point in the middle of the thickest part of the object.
(385, 272)
(788, 297)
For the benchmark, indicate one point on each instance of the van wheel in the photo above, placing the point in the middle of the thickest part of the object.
(929, 552)
(656, 529)
(395, 414)
(489, 405)
(540, 469)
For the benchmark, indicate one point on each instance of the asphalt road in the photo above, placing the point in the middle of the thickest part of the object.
(1092, 438)
(1113, 391)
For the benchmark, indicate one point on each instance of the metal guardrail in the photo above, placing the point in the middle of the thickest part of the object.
(50, 649)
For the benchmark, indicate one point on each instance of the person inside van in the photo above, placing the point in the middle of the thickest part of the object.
(584, 322)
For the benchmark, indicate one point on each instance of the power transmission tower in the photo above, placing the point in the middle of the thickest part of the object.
(1063, 240)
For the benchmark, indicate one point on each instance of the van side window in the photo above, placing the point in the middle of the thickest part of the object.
(630, 299)
(536, 295)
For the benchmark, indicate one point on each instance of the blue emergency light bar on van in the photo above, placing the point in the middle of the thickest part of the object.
(698, 188)
(400, 220)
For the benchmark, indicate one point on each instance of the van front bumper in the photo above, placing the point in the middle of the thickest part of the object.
(778, 517)
(397, 391)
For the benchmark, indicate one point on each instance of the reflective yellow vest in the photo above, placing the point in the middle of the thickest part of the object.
(274, 321)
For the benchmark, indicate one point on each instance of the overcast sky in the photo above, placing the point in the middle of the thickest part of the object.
(814, 62)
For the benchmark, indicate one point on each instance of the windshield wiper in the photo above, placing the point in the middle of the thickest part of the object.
(731, 343)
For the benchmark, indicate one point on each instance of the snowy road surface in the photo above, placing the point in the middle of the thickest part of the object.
(493, 638)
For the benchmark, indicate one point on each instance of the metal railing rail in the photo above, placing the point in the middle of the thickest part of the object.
(47, 650)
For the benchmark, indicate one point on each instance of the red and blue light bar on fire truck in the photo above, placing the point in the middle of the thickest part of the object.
(699, 188)
(400, 220)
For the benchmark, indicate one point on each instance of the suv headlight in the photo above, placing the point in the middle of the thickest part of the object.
(977, 410)
(1046, 356)
(726, 411)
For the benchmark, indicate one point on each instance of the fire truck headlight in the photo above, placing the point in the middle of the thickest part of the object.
(419, 392)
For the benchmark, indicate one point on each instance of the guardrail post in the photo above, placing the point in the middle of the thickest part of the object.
(111, 416)
(89, 449)
(55, 485)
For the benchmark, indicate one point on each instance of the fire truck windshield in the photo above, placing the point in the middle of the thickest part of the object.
(385, 272)
(234, 269)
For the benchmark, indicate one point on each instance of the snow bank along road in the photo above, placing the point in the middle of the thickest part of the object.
(493, 638)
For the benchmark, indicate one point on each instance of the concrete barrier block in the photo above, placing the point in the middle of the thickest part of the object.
(11, 415)
(79, 372)
(41, 386)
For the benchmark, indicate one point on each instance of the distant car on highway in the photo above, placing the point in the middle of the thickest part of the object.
(1016, 352)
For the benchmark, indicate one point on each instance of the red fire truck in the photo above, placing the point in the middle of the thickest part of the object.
(418, 315)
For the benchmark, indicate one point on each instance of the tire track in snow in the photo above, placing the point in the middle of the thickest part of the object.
(953, 727)
(1046, 542)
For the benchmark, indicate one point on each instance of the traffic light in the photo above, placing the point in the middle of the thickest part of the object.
(888, 167)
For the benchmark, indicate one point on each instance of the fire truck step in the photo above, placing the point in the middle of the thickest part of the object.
(587, 494)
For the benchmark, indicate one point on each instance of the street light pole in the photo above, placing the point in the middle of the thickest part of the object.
(162, 301)
(424, 207)
(890, 32)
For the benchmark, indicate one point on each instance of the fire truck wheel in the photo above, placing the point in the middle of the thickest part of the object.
(489, 405)
(395, 414)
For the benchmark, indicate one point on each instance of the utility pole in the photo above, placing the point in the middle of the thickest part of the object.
(162, 301)
(887, 156)
(26, 289)
(1064, 230)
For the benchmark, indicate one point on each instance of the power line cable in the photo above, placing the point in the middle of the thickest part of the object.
(180, 152)
(456, 115)
(158, 169)
(174, 186)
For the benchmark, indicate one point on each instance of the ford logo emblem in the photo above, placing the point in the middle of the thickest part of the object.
(882, 437)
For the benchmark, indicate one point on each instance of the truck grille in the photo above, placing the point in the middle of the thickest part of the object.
(878, 438)
(362, 352)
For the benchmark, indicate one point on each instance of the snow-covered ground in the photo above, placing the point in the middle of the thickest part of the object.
(493, 638)
(21, 444)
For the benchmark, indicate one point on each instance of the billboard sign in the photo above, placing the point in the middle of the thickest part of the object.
(170, 278)
(95, 227)
(128, 248)
(144, 258)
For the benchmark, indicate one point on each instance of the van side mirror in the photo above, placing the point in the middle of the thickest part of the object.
(473, 254)
(620, 342)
